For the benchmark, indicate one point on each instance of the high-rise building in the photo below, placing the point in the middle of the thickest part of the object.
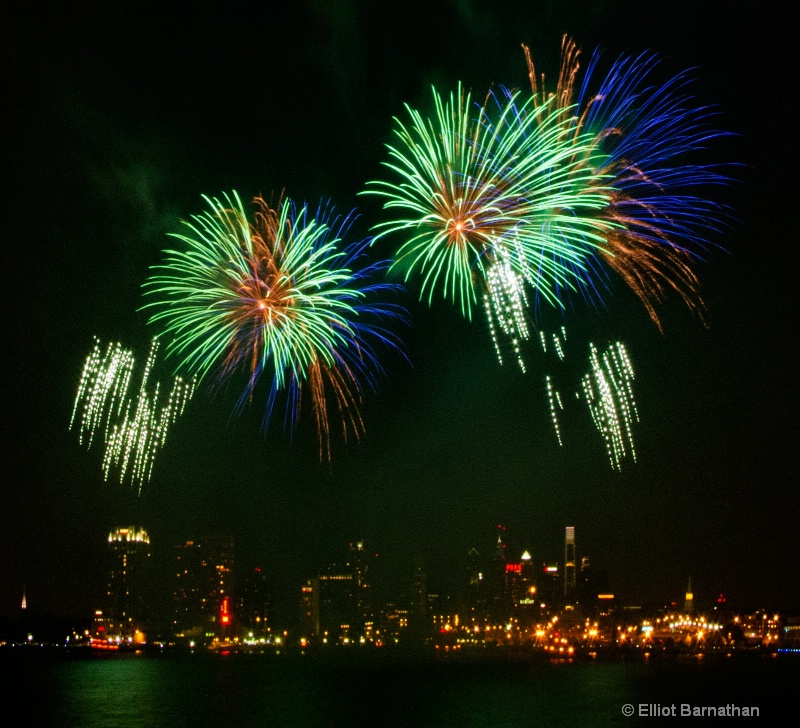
(475, 597)
(420, 611)
(338, 605)
(528, 568)
(528, 588)
(570, 580)
(360, 563)
(309, 609)
(336, 617)
(474, 572)
(550, 587)
(219, 555)
(688, 601)
(500, 604)
(188, 590)
(126, 612)
(419, 597)
(513, 585)
(254, 602)
(203, 581)
(591, 583)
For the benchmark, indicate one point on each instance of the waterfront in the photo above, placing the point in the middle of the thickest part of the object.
(81, 688)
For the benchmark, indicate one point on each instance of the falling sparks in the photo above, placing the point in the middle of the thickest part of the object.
(102, 389)
(607, 389)
(556, 405)
(133, 427)
(505, 307)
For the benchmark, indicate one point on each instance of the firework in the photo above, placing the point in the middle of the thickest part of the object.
(556, 405)
(607, 391)
(133, 427)
(491, 199)
(102, 390)
(532, 198)
(554, 398)
(280, 298)
(645, 134)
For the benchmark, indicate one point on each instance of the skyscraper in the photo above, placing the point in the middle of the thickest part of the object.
(419, 596)
(125, 614)
(188, 590)
(359, 562)
(337, 605)
(219, 555)
(500, 546)
(688, 601)
(528, 568)
(203, 580)
(336, 618)
(591, 583)
(309, 609)
(475, 593)
(527, 581)
(513, 585)
(499, 606)
(475, 576)
(569, 563)
(254, 602)
(550, 586)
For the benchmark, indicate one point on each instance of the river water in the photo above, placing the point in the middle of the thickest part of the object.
(149, 691)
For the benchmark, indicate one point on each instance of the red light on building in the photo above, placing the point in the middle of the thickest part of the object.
(224, 612)
(516, 568)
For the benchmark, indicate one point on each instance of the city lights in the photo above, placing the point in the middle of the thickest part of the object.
(559, 613)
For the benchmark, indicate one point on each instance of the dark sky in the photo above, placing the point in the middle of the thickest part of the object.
(117, 119)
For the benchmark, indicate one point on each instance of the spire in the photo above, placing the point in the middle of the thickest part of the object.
(24, 599)
(688, 603)
(500, 549)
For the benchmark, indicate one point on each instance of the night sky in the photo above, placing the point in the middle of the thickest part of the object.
(117, 119)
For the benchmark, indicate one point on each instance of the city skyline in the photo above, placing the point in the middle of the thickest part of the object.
(111, 142)
(572, 577)
(195, 596)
